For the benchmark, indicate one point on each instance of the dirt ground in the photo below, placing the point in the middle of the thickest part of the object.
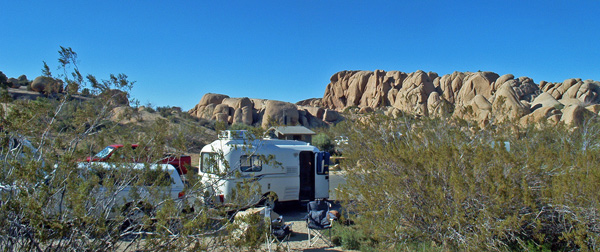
(294, 213)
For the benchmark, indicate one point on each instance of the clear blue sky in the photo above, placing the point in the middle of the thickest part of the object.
(287, 50)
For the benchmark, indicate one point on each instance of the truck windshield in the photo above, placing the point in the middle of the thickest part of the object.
(209, 163)
(105, 152)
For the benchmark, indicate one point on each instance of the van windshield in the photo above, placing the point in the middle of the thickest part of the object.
(209, 163)
(105, 152)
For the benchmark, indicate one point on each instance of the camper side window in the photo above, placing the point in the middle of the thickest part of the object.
(209, 163)
(250, 163)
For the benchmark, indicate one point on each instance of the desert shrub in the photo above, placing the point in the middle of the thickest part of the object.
(323, 142)
(350, 238)
(433, 180)
(23, 81)
(164, 111)
(49, 203)
(240, 126)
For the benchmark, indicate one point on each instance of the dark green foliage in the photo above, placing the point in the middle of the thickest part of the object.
(323, 142)
(23, 81)
(3, 80)
(240, 126)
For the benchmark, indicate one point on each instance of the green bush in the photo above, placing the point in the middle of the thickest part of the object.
(323, 142)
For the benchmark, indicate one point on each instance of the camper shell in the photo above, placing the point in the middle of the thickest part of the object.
(285, 170)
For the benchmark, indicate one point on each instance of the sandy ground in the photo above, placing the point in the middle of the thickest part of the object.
(294, 213)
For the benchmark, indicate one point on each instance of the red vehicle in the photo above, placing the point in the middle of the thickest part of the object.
(179, 162)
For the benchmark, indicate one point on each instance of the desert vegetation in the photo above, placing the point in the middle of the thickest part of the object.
(49, 203)
(441, 184)
(412, 183)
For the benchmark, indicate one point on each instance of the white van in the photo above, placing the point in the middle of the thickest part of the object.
(286, 170)
(159, 181)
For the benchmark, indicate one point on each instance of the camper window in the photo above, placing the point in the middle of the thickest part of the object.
(250, 163)
(209, 163)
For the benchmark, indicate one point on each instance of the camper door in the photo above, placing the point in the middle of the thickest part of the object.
(322, 175)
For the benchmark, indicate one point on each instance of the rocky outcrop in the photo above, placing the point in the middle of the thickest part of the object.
(261, 112)
(462, 94)
(485, 97)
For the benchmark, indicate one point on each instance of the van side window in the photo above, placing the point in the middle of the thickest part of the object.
(250, 163)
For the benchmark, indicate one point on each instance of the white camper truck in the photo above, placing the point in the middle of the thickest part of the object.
(285, 170)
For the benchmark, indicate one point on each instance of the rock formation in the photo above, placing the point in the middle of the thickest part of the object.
(485, 97)
(260, 112)
(480, 96)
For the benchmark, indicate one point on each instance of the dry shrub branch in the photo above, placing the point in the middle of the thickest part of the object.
(460, 187)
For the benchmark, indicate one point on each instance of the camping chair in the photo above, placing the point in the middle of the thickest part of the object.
(318, 220)
(277, 231)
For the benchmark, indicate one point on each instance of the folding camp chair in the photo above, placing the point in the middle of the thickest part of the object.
(277, 231)
(318, 220)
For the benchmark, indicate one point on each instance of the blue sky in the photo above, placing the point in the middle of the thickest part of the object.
(177, 51)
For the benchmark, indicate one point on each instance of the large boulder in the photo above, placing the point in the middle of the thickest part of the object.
(356, 87)
(507, 106)
(259, 104)
(361, 88)
(558, 89)
(450, 85)
(479, 109)
(243, 115)
(478, 83)
(211, 98)
(312, 102)
(278, 112)
(222, 109)
(375, 93)
(205, 112)
(221, 117)
(587, 92)
(313, 111)
(544, 100)
(524, 88)
(573, 115)
(413, 95)
(330, 115)
(436, 105)
(504, 78)
(47, 85)
(236, 103)
(539, 115)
